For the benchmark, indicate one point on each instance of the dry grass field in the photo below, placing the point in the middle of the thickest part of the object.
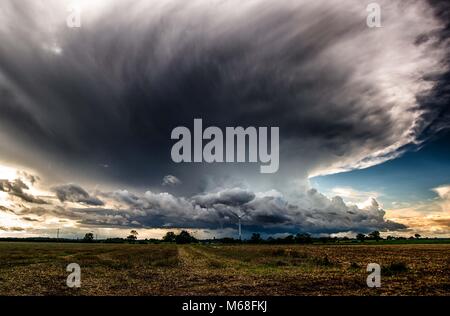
(168, 269)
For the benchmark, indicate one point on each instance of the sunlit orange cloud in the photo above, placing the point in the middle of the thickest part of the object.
(13, 225)
(429, 218)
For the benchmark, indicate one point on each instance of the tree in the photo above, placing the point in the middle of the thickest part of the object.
(184, 238)
(303, 238)
(361, 237)
(289, 239)
(375, 235)
(133, 235)
(227, 240)
(256, 238)
(169, 237)
(417, 236)
(89, 237)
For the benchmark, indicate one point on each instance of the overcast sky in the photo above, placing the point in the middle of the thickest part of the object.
(86, 115)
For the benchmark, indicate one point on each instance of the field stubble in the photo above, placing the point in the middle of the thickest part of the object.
(166, 269)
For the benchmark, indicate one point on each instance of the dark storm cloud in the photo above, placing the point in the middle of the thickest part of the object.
(98, 104)
(231, 197)
(109, 93)
(268, 212)
(16, 188)
(439, 120)
(75, 193)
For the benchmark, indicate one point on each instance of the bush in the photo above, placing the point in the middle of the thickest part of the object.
(354, 265)
(303, 238)
(277, 252)
(324, 261)
(89, 237)
(215, 264)
(256, 238)
(396, 267)
(184, 238)
(166, 262)
(169, 237)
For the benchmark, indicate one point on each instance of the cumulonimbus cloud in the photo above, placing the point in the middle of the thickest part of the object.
(97, 104)
(268, 212)
(344, 95)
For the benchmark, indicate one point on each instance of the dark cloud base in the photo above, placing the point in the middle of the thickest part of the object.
(105, 106)
(269, 212)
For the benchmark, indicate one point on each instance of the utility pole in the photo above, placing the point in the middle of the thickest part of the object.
(57, 234)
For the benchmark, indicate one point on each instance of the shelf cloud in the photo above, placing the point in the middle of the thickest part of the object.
(268, 212)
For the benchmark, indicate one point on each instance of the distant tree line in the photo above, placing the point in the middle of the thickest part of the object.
(184, 237)
(305, 238)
